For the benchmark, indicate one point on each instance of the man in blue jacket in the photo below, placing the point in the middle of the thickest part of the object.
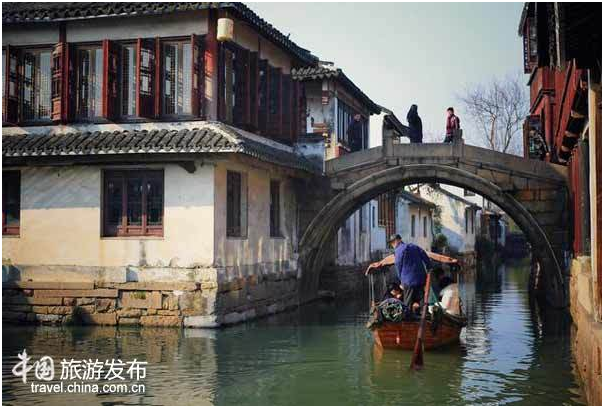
(411, 264)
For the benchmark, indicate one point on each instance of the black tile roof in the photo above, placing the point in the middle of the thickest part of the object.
(325, 72)
(32, 12)
(212, 137)
(415, 199)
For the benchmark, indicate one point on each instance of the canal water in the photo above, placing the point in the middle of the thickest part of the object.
(322, 354)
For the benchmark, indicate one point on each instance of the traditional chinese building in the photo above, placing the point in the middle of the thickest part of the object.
(563, 56)
(149, 147)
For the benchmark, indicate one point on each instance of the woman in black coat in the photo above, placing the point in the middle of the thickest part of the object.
(415, 125)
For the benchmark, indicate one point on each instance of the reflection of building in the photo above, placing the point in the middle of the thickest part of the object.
(563, 55)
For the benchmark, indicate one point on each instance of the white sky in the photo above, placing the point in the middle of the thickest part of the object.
(404, 53)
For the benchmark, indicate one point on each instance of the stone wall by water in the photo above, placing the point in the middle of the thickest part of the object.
(203, 303)
(587, 330)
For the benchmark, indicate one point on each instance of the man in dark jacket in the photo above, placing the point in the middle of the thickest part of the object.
(415, 125)
(355, 134)
(452, 126)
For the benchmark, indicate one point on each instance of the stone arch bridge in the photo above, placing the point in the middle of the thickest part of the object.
(533, 193)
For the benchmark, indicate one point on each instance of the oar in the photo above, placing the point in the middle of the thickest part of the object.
(417, 361)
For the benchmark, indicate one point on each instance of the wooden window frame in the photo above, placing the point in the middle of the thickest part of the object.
(425, 226)
(275, 210)
(10, 230)
(413, 225)
(22, 120)
(75, 61)
(123, 229)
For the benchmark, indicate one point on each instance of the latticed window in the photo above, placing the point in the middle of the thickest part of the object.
(133, 203)
(128, 81)
(177, 63)
(11, 202)
(36, 85)
(89, 83)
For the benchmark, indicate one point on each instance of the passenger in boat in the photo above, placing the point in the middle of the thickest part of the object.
(394, 291)
(441, 281)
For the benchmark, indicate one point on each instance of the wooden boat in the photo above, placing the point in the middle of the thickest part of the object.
(404, 334)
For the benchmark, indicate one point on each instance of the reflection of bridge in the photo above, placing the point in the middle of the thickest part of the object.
(533, 193)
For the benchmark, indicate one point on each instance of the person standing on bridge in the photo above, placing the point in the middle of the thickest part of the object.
(452, 126)
(415, 125)
(411, 263)
(355, 133)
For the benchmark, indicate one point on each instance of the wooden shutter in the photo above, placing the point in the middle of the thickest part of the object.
(274, 102)
(111, 53)
(70, 88)
(145, 78)
(253, 87)
(263, 96)
(295, 117)
(286, 107)
(13, 62)
(159, 64)
(197, 76)
(58, 80)
(241, 113)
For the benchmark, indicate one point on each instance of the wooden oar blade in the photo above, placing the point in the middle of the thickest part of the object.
(417, 361)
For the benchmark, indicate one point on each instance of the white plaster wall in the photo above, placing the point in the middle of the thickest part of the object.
(30, 34)
(354, 244)
(378, 233)
(453, 220)
(247, 37)
(258, 252)
(121, 28)
(61, 221)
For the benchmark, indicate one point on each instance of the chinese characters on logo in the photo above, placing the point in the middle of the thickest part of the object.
(85, 370)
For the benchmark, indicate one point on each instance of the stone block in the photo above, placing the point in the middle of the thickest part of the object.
(40, 309)
(48, 285)
(206, 321)
(150, 312)
(168, 312)
(88, 309)
(97, 293)
(190, 300)
(69, 301)
(101, 319)
(128, 321)
(33, 300)
(84, 301)
(170, 321)
(141, 300)
(170, 301)
(105, 305)
(60, 310)
(48, 318)
(150, 286)
(126, 313)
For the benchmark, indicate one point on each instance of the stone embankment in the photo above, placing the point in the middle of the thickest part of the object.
(192, 304)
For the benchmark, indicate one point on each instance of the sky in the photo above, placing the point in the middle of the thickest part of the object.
(405, 53)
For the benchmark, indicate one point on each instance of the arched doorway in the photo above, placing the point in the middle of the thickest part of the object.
(324, 225)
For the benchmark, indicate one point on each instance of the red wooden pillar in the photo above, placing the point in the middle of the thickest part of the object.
(211, 68)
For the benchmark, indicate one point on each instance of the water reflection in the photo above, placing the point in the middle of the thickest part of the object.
(511, 352)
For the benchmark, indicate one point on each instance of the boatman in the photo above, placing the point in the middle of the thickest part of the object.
(411, 264)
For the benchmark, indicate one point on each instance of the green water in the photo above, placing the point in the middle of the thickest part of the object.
(322, 354)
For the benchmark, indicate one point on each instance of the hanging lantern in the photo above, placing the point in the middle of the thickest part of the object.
(225, 29)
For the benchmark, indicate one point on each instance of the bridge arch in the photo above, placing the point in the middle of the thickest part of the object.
(324, 225)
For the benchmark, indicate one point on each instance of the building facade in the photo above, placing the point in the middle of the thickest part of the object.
(149, 170)
(563, 55)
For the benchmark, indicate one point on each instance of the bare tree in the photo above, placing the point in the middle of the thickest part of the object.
(498, 111)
